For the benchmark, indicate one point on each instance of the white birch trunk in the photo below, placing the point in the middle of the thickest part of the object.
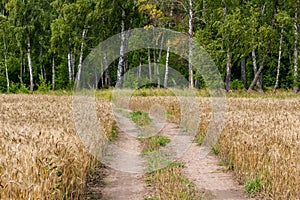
(41, 63)
(167, 66)
(21, 67)
(191, 17)
(258, 73)
(107, 75)
(53, 73)
(254, 60)
(84, 32)
(29, 63)
(119, 83)
(243, 72)
(73, 59)
(156, 68)
(149, 65)
(168, 53)
(5, 64)
(279, 61)
(140, 66)
(296, 88)
(70, 65)
(6, 73)
(228, 72)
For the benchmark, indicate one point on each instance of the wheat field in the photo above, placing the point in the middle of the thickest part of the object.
(42, 156)
(260, 139)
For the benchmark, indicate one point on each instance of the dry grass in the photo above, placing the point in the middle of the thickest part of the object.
(41, 156)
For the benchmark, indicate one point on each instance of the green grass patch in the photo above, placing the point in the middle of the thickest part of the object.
(151, 198)
(215, 149)
(199, 139)
(170, 183)
(253, 187)
(153, 143)
(140, 118)
(114, 133)
(144, 92)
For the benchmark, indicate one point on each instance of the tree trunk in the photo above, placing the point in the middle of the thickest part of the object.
(258, 73)
(6, 73)
(168, 52)
(53, 74)
(21, 67)
(73, 60)
(243, 72)
(296, 88)
(107, 78)
(167, 66)
(84, 32)
(70, 66)
(279, 61)
(5, 64)
(191, 18)
(228, 72)
(158, 60)
(29, 63)
(119, 83)
(156, 68)
(258, 84)
(126, 65)
(41, 64)
(140, 66)
(149, 65)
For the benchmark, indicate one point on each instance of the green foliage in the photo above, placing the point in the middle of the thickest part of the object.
(114, 133)
(199, 139)
(43, 86)
(55, 28)
(140, 118)
(237, 84)
(215, 149)
(19, 88)
(3, 87)
(153, 143)
(253, 186)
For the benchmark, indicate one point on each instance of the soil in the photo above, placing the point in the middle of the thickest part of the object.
(210, 177)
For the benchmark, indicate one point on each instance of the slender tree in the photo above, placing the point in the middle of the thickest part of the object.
(295, 80)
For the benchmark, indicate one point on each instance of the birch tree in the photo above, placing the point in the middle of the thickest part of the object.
(122, 53)
(191, 27)
(23, 14)
(3, 26)
(295, 80)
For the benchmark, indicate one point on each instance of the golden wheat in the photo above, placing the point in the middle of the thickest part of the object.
(261, 138)
(41, 156)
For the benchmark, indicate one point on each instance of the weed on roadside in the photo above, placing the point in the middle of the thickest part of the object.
(253, 186)
(140, 118)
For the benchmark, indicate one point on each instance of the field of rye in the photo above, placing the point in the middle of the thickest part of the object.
(41, 156)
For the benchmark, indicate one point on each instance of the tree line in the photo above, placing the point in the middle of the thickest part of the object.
(254, 43)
